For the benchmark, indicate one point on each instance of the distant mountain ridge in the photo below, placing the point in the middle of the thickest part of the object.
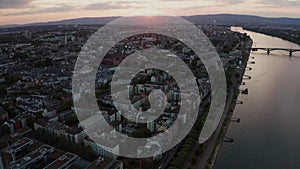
(226, 19)
(233, 19)
(79, 21)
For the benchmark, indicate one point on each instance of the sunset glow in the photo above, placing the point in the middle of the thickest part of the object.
(27, 11)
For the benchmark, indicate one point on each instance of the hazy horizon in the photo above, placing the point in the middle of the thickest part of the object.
(32, 11)
(142, 15)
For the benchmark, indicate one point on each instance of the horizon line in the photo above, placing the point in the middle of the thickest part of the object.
(118, 16)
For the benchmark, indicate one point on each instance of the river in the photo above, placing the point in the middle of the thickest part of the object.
(268, 136)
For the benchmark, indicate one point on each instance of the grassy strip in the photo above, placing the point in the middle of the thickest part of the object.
(189, 143)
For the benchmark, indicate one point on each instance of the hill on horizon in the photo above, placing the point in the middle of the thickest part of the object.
(221, 19)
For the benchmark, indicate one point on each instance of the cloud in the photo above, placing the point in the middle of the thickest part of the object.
(114, 5)
(176, 0)
(212, 1)
(279, 3)
(197, 4)
(10, 4)
(67, 7)
(230, 2)
(59, 8)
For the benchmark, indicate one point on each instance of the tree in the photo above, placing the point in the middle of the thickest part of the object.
(195, 135)
(172, 168)
(187, 146)
(140, 133)
(2, 89)
(191, 141)
(197, 152)
(62, 143)
(237, 76)
(43, 63)
(227, 48)
(21, 55)
(66, 105)
(193, 161)
(10, 79)
(175, 163)
(182, 154)
(72, 120)
(31, 119)
(4, 130)
(11, 111)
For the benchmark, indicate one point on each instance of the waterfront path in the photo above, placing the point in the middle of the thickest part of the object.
(212, 142)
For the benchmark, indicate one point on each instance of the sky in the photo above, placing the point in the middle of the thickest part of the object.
(29, 11)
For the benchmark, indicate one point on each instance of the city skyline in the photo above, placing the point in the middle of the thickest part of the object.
(29, 11)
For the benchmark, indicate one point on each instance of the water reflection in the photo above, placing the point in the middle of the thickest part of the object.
(269, 133)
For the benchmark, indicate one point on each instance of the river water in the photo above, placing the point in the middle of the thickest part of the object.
(268, 136)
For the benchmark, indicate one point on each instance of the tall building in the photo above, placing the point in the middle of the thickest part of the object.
(106, 163)
(65, 39)
(151, 126)
(20, 152)
(102, 150)
(28, 34)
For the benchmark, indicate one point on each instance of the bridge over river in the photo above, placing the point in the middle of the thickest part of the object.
(273, 49)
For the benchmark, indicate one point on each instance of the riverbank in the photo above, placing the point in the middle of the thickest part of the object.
(269, 128)
(230, 106)
(284, 34)
(199, 156)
